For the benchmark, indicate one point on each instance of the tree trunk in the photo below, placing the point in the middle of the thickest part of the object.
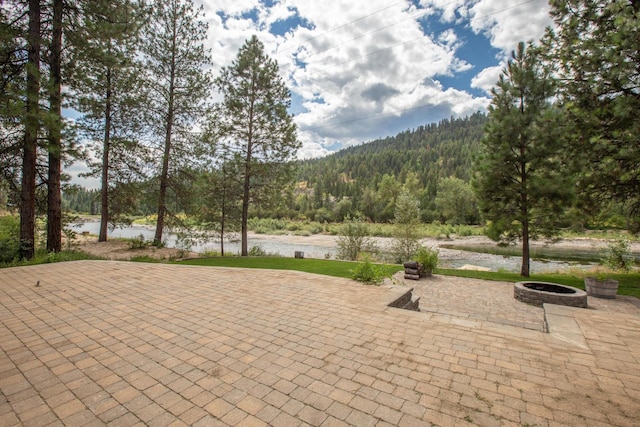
(524, 211)
(106, 146)
(245, 200)
(54, 202)
(164, 183)
(164, 174)
(247, 178)
(28, 192)
(222, 220)
(524, 270)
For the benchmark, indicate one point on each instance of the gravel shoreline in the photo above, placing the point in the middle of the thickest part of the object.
(453, 258)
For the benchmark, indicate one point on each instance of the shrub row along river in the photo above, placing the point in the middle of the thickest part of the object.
(324, 246)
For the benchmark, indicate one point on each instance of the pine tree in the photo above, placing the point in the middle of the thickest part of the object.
(12, 66)
(178, 86)
(25, 86)
(109, 94)
(596, 45)
(31, 130)
(521, 184)
(54, 176)
(255, 128)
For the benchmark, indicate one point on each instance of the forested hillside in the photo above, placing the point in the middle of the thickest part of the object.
(365, 178)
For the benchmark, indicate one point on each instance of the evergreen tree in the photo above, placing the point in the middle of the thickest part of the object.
(31, 130)
(178, 87)
(12, 67)
(521, 183)
(597, 49)
(218, 208)
(25, 86)
(255, 128)
(109, 94)
(54, 137)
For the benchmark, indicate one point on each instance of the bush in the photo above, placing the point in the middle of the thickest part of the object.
(323, 215)
(9, 238)
(138, 243)
(267, 225)
(428, 258)
(367, 272)
(618, 256)
(354, 239)
(256, 251)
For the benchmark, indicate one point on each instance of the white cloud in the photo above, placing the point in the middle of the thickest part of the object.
(507, 23)
(487, 78)
(504, 23)
(368, 72)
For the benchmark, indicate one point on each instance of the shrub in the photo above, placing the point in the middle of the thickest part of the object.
(9, 238)
(354, 239)
(367, 272)
(323, 215)
(618, 256)
(138, 243)
(267, 225)
(257, 251)
(428, 257)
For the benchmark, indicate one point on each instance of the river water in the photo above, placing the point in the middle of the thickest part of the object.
(325, 247)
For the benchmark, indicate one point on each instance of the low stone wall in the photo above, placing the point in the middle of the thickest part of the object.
(406, 302)
(569, 296)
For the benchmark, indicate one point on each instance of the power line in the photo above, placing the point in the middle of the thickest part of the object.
(343, 25)
(412, 17)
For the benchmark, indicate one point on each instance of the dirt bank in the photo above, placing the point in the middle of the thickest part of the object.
(119, 249)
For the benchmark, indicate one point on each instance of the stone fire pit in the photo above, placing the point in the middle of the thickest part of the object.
(538, 293)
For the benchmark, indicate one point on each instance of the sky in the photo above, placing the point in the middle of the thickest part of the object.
(361, 70)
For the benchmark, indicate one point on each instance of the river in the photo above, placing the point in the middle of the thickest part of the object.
(323, 246)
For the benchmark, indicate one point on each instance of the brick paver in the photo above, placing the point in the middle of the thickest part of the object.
(120, 343)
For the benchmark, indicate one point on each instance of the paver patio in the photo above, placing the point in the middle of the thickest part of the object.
(120, 343)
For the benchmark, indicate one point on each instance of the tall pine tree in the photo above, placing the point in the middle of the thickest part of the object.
(255, 128)
(109, 92)
(177, 85)
(596, 45)
(54, 137)
(12, 67)
(521, 183)
(31, 130)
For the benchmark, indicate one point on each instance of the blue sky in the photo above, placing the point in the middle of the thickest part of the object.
(361, 70)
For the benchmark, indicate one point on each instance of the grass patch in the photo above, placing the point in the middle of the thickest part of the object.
(536, 252)
(44, 257)
(317, 266)
(629, 282)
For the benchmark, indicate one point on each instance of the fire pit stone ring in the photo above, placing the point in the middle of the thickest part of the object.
(538, 293)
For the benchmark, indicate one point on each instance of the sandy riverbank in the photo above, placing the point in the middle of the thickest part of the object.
(119, 249)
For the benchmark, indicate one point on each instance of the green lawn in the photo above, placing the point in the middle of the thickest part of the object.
(629, 283)
(318, 266)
